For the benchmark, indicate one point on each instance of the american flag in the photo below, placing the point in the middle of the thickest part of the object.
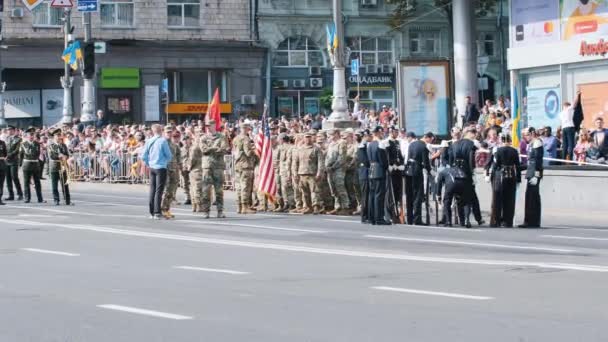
(266, 177)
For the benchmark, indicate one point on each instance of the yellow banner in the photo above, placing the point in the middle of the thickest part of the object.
(195, 108)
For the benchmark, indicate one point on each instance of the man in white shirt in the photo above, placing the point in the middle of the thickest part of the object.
(568, 130)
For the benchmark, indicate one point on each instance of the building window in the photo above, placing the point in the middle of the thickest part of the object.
(183, 13)
(116, 13)
(371, 50)
(486, 44)
(198, 86)
(298, 52)
(47, 16)
(425, 43)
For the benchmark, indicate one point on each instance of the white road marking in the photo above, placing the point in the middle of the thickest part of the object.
(253, 226)
(347, 221)
(316, 250)
(142, 198)
(45, 251)
(574, 237)
(467, 243)
(144, 312)
(36, 215)
(431, 293)
(214, 270)
(471, 230)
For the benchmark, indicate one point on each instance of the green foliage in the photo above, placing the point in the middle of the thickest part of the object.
(326, 97)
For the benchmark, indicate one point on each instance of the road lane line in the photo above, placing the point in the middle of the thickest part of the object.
(347, 221)
(144, 312)
(318, 250)
(144, 196)
(35, 215)
(467, 243)
(431, 293)
(574, 237)
(213, 270)
(46, 251)
(254, 226)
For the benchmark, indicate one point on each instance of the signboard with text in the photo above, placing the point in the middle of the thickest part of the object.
(87, 5)
(22, 104)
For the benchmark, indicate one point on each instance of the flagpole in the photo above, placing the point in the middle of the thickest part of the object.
(358, 71)
(66, 79)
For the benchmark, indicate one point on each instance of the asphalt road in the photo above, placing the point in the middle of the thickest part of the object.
(103, 271)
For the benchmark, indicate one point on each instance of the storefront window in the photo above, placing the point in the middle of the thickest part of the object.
(198, 86)
(298, 52)
(371, 50)
(119, 105)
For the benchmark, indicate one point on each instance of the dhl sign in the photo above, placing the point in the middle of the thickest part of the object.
(195, 108)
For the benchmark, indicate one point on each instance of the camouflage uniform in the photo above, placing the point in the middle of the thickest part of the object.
(213, 147)
(309, 163)
(285, 182)
(335, 164)
(352, 179)
(279, 200)
(194, 164)
(29, 156)
(173, 171)
(185, 172)
(244, 164)
(326, 200)
(293, 156)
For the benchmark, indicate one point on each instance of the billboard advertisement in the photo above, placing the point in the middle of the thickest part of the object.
(584, 19)
(424, 89)
(22, 104)
(595, 102)
(543, 107)
(534, 22)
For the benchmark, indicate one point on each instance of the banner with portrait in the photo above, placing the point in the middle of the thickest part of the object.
(583, 19)
(425, 94)
(543, 107)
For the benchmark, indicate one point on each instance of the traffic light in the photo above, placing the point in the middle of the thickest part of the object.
(88, 71)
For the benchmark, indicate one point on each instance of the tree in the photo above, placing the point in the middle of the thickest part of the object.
(326, 97)
(406, 9)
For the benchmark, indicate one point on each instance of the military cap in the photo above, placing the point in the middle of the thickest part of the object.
(359, 132)
(168, 129)
(394, 128)
(55, 131)
(378, 129)
(246, 125)
(367, 132)
(309, 133)
(30, 130)
(349, 131)
(411, 135)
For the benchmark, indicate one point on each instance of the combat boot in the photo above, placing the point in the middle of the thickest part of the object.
(306, 211)
(248, 211)
(239, 210)
(188, 202)
(317, 211)
(332, 212)
(295, 211)
(220, 214)
(194, 208)
(167, 214)
(206, 215)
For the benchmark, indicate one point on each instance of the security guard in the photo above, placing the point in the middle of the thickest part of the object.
(534, 174)
(29, 155)
(463, 157)
(3, 153)
(504, 171)
(363, 173)
(58, 156)
(378, 169)
(396, 165)
(453, 179)
(418, 154)
(13, 145)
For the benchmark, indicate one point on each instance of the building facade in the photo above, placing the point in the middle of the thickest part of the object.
(298, 69)
(188, 47)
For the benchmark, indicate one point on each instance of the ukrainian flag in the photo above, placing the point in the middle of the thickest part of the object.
(72, 54)
(331, 37)
(516, 129)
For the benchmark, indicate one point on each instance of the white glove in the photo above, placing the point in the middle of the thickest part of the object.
(433, 173)
(487, 179)
(533, 181)
(390, 168)
(401, 167)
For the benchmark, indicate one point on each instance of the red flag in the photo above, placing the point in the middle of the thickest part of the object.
(213, 110)
(266, 184)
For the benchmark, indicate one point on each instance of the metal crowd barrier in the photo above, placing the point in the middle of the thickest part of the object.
(122, 167)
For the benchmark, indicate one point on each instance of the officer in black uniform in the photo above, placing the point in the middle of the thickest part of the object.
(409, 181)
(454, 180)
(504, 172)
(534, 174)
(418, 161)
(363, 172)
(13, 145)
(30, 156)
(378, 169)
(3, 168)
(58, 155)
(396, 165)
(463, 158)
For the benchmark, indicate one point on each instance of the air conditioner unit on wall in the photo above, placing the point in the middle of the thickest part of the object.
(386, 69)
(299, 83)
(371, 69)
(17, 13)
(280, 83)
(248, 99)
(369, 2)
(316, 83)
(315, 71)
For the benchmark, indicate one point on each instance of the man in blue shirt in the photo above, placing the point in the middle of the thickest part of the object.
(550, 145)
(157, 156)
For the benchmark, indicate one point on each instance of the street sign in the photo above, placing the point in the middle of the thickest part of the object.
(31, 4)
(87, 5)
(62, 3)
(100, 47)
(354, 67)
(482, 64)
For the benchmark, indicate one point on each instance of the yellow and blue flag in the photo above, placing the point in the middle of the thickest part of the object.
(332, 38)
(516, 128)
(72, 54)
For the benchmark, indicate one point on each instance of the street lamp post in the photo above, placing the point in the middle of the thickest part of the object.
(2, 89)
(66, 79)
(88, 102)
(339, 117)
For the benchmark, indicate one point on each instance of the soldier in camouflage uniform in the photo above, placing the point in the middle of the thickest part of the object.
(285, 184)
(58, 156)
(325, 199)
(173, 171)
(29, 155)
(293, 154)
(213, 146)
(245, 160)
(335, 164)
(194, 165)
(309, 163)
(185, 171)
(279, 200)
(352, 179)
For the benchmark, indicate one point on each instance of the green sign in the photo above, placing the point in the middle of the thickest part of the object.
(119, 78)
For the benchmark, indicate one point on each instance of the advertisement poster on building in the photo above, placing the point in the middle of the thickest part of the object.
(152, 102)
(544, 106)
(425, 96)
(285, 106)
(534, 22)
(584, 19)
(311, 105)
(52, 106)
(22, 104)
(595, 102)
